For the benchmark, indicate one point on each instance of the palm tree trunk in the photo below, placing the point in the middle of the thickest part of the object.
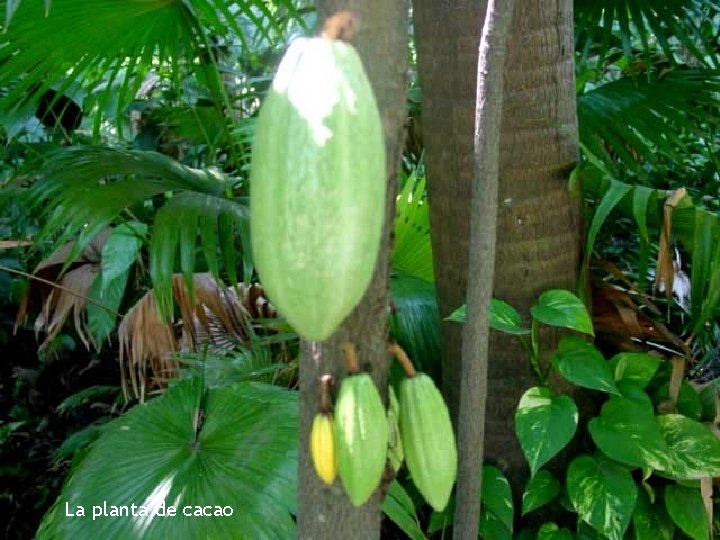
(538, 226)
(539, 234)
(447, 39)
(483, 230)
(326, 512)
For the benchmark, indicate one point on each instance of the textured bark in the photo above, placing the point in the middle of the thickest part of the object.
(483, 230)
(539, 233)
(538, 227)
(324, 512)
(447, 38)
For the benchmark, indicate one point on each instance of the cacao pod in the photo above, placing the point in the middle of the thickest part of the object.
(322, 447)
(317, 186)
(428, 439)
(396, 455)
(361, 436)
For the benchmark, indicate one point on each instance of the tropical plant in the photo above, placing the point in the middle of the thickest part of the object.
(645, 458)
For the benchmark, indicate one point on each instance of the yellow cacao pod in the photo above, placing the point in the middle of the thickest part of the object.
(428, 439)
(322, 447)
(317, 186)
(361, 435)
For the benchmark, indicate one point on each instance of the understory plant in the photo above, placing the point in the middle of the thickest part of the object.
(638, 461)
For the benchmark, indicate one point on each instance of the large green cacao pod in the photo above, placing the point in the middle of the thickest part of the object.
(428, 439)
(361, 437)
(317, 193)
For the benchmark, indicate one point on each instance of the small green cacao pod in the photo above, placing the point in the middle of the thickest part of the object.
(361, 437)
(317, 186)
(428, 439)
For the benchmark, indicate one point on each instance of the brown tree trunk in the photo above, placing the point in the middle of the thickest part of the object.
(538, 229)
(539, 234)
(447, 37)
(483, 230)
(326, 512)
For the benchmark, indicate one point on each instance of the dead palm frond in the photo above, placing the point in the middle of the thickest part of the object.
(58, 295)
(212, 317)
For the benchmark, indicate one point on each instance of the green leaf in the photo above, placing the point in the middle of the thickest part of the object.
(544, 424)
(234, 447)
(688, 401)
(609, 201)
(503, 317)
(459, 315)
(582, 364)
(109, 294)
(497, 496)
(636, 368)
(491, 527)
(603, 493)
(685, 506)
(398, 506)
(562, 308)
(415, 321)
(550, 531)
(412, 250)
(708, 395)
(627, 431)
(120, 251)
(542, 488)
(651, 521)
(693, 450)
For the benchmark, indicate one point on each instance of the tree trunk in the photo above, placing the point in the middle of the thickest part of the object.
(325, 512)
(483, 230)
(538, 226)
(539, 234)
(447, 36)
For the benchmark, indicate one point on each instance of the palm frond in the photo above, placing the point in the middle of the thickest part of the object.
(666, 23)
(631, 121)
(412, 252)
(105, 50)
(415, 320)
(679, 219)
(180, 223)
(83, 189)
(234, 447)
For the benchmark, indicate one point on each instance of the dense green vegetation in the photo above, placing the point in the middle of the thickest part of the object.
(142, 362)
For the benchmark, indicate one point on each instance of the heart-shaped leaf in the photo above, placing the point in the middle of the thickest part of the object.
(582, 364)
(603, 493)
(562, 308)
(627, 430)
(685, 507)
(544, 423)
(542, 488)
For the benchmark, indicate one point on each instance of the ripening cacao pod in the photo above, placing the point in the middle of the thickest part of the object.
(317, 186)
(361, 437)
(428, 439)
(322, 447)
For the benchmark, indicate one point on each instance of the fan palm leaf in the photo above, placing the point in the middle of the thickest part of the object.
(234, 446)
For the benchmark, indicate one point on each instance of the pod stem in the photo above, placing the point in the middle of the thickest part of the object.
(351, 358)
(402, 357)
(341, 26)
(325, 384)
